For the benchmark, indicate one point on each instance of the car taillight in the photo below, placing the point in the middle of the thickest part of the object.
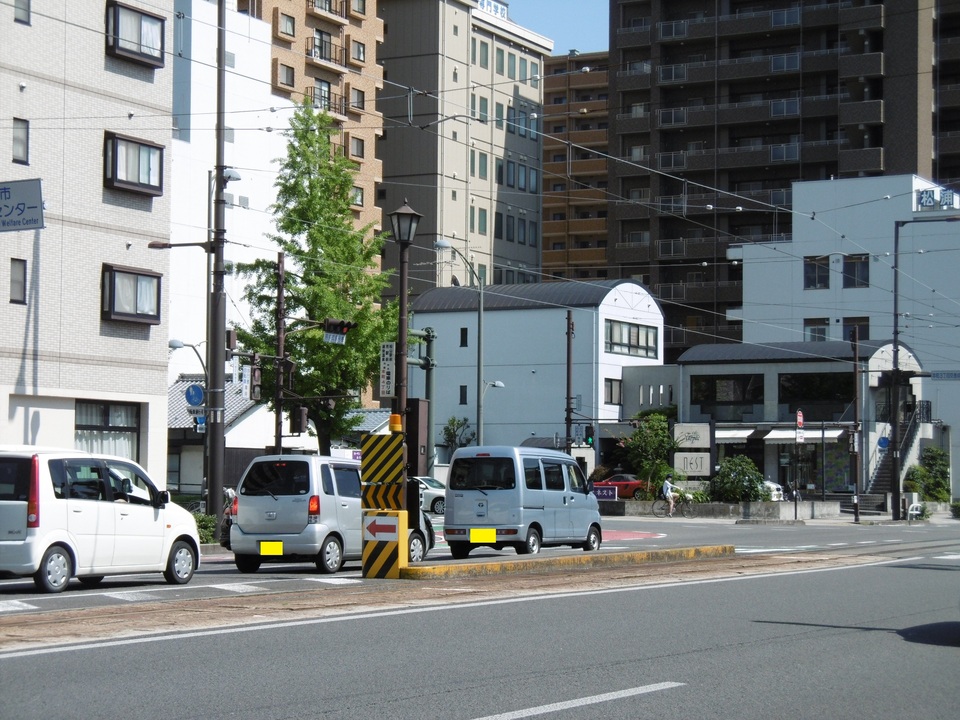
(314, 507)
(33, 495)
(234, 505)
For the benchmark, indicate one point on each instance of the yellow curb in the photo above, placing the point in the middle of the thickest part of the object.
(546, 564)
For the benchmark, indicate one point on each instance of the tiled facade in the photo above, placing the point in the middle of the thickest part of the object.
(66, 112)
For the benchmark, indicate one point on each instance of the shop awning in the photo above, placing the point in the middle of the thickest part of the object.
(786, 436)
(733, 435)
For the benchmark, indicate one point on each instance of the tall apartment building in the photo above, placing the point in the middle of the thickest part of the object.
(718, 107)
(327, 50)
(461, 107)
(575, 186)
(83, 332)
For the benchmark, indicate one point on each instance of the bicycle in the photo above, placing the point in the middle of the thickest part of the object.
(684, 504)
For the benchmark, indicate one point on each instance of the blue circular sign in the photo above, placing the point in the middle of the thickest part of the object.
(194, 395)
(883, 443)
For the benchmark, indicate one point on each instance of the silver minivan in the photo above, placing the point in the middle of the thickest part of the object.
(297, 508)
(518, 497)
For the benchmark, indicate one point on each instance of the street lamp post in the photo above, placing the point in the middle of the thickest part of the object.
(443, 244)
(404, 222)
(895, 374)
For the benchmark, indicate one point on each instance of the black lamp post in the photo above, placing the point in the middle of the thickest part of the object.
(404, 222)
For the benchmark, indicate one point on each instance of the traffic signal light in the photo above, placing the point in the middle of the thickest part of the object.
(298, 420)
(255, 377)
(338, 327)
(588, 435)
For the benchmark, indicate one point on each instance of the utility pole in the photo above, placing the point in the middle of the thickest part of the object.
(281, 363)
(569, 413)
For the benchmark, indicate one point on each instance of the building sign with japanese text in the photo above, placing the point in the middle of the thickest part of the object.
(21, 206)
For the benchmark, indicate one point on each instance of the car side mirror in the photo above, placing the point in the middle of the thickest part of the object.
(126, 486)
(589, 488)
(163, 497)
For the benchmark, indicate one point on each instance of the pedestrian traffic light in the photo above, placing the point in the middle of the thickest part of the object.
(255, 377)
(338, 327)
(588, 435)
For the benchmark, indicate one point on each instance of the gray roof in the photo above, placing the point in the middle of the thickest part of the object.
(177, 417)
(515, 297)
(783, 352)
(374, 419)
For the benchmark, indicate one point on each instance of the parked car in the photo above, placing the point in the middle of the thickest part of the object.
(628, 486)
(433, 495)
(67, 513)
(305, 508)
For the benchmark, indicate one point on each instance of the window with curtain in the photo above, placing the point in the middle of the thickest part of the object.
(132, 164)
(134, 35)
(21, 141)
(130, 294)
(108, 428)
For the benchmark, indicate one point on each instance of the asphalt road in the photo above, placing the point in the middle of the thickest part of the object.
(799, 633)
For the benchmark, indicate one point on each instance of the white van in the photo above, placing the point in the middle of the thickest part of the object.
(518, 497)
(296, 508)
(66, 513)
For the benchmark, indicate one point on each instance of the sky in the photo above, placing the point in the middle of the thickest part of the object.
(571, 24)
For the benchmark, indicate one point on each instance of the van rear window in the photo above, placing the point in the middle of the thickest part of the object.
(277, 478)
(485, 473)
(14, 478)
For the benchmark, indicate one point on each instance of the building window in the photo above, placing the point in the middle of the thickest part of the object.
(498, 115)
(860, 324)
(321, 95)
(816, 273)
(134, 35)
(856, 271)
(286, 75)
(815, 329)
(482, 221)
(612, 391)
(131, 164)
(359, 51)
(511, 228)
(511, 120)
(483, 166)
(484, 109)
(511, 66)
(112, 428)
(511, 173)
(357, 99)
(499, 61)
(521, 177)
(18, 281)
(21, 141)
(521, 231)
(534, 75)
(484, 55)
(726, 389)
(498, 226)
(356, 147)
(463, 394)
(523, 70)
(498, 165)
(623, 338)
(130, 294)
(21, 11)
(288, 25)
(534, 181)
(359, 6)
(463, 338)
(356, 196)
(522, 124)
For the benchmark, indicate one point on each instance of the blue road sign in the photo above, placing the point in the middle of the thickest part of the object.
(194, 395)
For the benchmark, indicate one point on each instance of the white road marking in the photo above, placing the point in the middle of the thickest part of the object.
(947, 557)
(336, 581)
(131, 596)
(15, 606)
(582, 702)
(238, 588)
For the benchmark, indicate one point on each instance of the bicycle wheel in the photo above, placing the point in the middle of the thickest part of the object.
(659, 508)
(687, 509)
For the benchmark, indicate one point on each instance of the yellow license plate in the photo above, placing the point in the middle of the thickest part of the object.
(271, 547)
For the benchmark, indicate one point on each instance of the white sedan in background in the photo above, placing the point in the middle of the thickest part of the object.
(433, 495)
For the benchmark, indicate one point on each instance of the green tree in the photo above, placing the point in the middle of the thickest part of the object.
(738, 480)
(456, 433)
(333, 272)
(648, 449)
(931, 477)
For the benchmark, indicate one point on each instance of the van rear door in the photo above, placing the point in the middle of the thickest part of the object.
(484, 491)
(14, 488)
(273, 497)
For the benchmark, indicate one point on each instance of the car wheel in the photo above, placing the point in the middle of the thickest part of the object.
(593, 539)
(638, 494)
(439, 505)
(91, 580)
(330, 558)
(532, 545)
(459, 550)
(247, 563)
(181, 564)
(56, 567)
(418, 547)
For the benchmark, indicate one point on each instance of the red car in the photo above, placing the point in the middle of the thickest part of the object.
(628, 486)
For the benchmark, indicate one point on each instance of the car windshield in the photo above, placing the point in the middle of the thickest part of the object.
(430, 482)
(482, 473)
(276, 478)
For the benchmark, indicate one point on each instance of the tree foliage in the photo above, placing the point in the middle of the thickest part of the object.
(931, 477)
(647, 450)
(738, 480)
(456, 433)
(332, 272)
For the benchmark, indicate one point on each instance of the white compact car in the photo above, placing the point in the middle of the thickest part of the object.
(66, 513)
(433, 495)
